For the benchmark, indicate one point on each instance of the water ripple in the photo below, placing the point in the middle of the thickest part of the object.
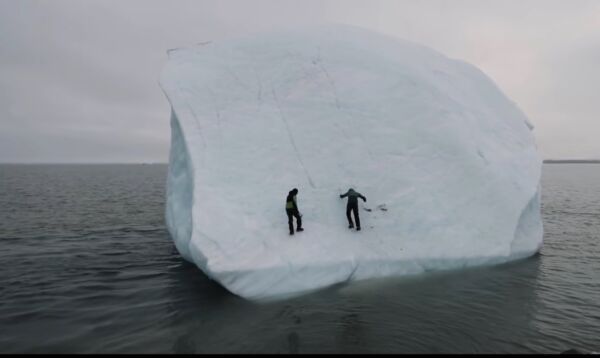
(88, 267)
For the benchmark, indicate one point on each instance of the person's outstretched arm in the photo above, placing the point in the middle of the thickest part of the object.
(362, 197)
(344, 195)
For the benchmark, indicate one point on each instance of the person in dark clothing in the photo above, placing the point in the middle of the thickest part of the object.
(291, 208)
(352, 207)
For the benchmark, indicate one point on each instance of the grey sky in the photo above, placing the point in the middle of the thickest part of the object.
(78, 78)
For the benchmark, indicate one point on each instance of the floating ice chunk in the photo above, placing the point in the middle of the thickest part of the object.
(449, 162)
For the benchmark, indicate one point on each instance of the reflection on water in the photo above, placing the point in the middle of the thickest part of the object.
(488, 309)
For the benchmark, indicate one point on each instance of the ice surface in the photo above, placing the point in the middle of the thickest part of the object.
(328, 108)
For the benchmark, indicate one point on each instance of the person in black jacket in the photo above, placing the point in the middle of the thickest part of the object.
(352, 207)
(291, 209)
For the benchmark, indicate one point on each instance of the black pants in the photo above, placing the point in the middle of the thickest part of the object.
(291, 213)
(353, 208)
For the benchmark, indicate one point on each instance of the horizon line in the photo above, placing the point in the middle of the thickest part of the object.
(153, 163)
(81, 163)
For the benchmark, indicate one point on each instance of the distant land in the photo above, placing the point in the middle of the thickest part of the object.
(546, 161)
(576, 161)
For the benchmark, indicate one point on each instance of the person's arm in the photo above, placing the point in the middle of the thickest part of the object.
(344, 195)
(362, 197)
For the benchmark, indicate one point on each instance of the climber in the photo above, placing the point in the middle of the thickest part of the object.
(291, 208)
(352, 206)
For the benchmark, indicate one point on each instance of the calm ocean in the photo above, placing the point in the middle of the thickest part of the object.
(87, 266)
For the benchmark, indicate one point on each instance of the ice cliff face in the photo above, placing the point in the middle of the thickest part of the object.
(453, 160)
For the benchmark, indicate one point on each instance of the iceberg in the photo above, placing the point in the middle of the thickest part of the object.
(448, 163)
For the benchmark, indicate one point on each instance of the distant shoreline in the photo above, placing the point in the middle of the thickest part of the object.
(157, 163)
(546, 161)
(572, 161)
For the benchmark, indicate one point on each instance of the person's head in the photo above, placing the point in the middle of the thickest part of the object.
(351, 190)
(294, 191)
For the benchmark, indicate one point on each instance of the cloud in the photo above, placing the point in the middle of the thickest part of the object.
(78, 79)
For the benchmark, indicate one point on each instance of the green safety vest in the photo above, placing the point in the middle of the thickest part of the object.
(290, 204)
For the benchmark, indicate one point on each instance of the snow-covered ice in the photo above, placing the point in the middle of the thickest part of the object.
(453, 160)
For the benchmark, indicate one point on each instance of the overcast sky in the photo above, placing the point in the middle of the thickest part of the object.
(79, 78)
